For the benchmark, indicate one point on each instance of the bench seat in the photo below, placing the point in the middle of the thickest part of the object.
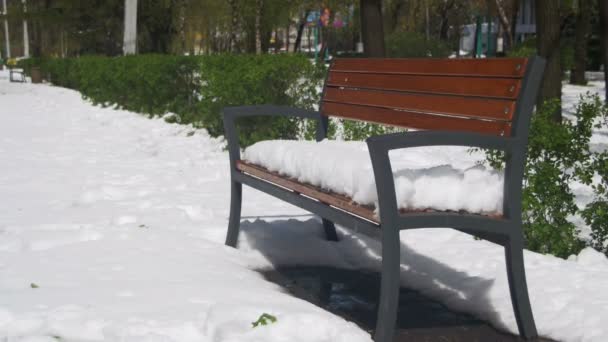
(423, 183)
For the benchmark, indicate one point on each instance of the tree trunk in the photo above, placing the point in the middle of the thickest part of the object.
(392, 15)
(427, 20)
(371, 28)
(547, 45)
(258, 33)
(298, 43)
(26, 36)
(514, 14)
(583, 31)
(234, 24)
(287, 29)
(265, 42)
(181, 48)
(604, 39)
(36, 36)
(505, 24)
(444, 13)
(7, 38)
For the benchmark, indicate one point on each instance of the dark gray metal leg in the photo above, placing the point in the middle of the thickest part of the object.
(330, 230)
(519, 290)
(389, 286)
(236, 196)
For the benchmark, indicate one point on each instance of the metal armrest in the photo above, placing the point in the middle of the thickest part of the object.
(230, 114)
(379, 146)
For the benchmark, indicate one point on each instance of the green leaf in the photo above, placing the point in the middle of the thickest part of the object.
(264, 319)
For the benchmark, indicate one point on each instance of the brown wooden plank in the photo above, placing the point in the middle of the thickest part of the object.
(471, 86)
(409, 119)
(330, 198)
(439, 104)
(486, 67)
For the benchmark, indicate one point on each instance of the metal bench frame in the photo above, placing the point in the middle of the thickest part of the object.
(17, 72)
(505, 231)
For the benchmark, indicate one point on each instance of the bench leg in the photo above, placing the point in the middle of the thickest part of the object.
(519, 290)
(330, 230)
(234, 221)
(389, 286)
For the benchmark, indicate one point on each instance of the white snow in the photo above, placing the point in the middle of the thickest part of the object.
(437, 177)
(112, 228)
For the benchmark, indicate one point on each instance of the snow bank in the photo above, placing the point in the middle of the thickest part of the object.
(438, 177)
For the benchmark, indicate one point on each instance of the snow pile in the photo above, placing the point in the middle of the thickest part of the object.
(436, 177)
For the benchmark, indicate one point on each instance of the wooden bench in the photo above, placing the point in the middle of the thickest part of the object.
(484, 103)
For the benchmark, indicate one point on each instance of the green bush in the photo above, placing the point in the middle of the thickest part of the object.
(194, 88)
(415, 45)
(232, 80)
(28, 63)
(150, 84)
(559, 155)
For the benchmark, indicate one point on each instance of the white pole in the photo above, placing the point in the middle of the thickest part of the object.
(130, 34)
(6, 35)
(26, 39)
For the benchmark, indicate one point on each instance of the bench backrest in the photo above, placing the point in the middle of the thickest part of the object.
(474, 95)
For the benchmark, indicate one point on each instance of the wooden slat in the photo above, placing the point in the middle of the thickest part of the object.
(465, 86)
(490, 67)
(415, 120)
(439, 104)
(330, 198)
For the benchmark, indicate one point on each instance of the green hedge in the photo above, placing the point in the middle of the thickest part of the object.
(415, 45)
(232, 80)
(194, 88)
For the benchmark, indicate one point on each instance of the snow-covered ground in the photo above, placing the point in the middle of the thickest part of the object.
(112, 228)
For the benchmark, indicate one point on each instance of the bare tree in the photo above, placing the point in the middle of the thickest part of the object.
(372, 29)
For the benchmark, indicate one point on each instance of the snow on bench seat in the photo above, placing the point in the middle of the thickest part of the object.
(426, 178)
